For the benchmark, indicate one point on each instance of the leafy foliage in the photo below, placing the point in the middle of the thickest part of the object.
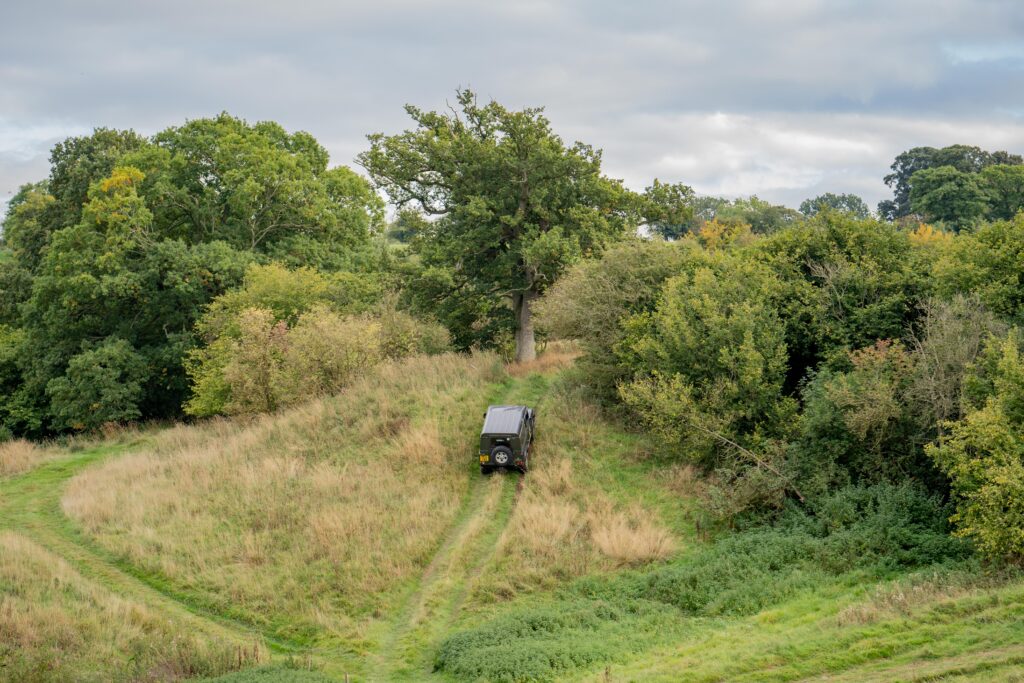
(513, 206)
(102, 384)
(254, 186)
(668, 209)
(987, 264)
(763, 217)
(27, 225)
(709, 362)
(130, 238)
(947, 195)
(962, 158)
(858, 425)
(785, 366)
(594, 298)
(287, 335)
(984, 458)
(846, 284)
(859, 529)
(850, 203)
(1003, 186)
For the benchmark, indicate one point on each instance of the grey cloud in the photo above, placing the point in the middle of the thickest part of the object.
(782, 99)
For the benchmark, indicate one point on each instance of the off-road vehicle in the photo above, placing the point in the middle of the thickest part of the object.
(506, 438)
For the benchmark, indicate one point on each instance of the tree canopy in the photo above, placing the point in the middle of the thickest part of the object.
(511, 205)
(963, 158)
(850, 203)
(116, 255)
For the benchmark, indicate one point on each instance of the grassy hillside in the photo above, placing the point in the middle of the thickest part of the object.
(356, 536)
(354, 530)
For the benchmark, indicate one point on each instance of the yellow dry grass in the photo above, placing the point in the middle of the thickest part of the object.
(318, 515)
(628, 537)
(565, 524)
(902, 598)
(19, 456)
(57, 626)
(557, 355)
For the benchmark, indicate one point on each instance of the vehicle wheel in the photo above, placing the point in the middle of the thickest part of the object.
(501, 455)
(485, 469)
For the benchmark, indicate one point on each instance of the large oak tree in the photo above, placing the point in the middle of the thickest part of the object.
(510, 205)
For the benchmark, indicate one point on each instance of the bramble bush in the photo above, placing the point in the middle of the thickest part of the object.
(875, 530)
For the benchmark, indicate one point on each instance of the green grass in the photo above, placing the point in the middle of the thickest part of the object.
(829, 631)
(273, 674)
(96, 621)
(869, 590)
(843, 626)
(607, 618)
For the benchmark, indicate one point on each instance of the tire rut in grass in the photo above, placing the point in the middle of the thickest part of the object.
(404, 650)
(468, 549)
(30, 504)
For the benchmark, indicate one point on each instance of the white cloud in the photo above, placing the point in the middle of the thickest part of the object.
(786, 157)
(24, 141)
(24, 152)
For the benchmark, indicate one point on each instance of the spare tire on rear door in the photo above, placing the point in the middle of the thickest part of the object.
(501, 456)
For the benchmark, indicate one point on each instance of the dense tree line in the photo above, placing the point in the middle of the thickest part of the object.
(115, 257)
(838, 351)
(957, 185)
(223, 267)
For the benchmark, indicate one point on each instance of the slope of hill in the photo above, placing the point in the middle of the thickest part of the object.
(355, 535)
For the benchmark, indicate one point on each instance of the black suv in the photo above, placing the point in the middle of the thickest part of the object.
(506, 437)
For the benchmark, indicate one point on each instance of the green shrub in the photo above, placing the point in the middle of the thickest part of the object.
(403, 335)
(541, 643)
(873, 529)
(592, 300)
(288, 294)
(287, 335)
(860, 425)
(101, 384)
(708, 367)
(845, 284)
(273, 674)
(984, 457)
(709, 362)
(986, 262)
(265, 365)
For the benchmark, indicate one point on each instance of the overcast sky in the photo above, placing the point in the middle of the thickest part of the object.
(783, 99)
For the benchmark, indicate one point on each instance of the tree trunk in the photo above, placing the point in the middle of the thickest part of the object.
(526, 345)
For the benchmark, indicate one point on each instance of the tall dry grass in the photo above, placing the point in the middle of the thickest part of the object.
(316, 516)
(19, 456)
(557, 355)
(57, 626)
(906, 596)
(565, 523)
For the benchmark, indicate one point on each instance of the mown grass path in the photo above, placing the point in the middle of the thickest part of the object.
(30, 504)
(404, 649)
(468, 546)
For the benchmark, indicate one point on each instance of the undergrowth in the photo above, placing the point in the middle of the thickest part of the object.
(873, 531)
